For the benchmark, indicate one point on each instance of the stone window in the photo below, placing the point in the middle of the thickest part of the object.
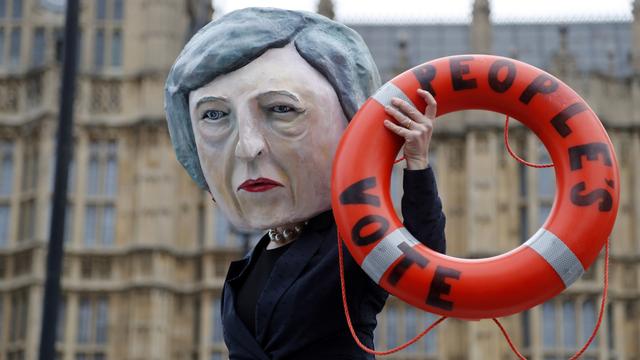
(118, 10)
(108, 38)
(222, 230)
(116, 49)
(216, 321)
(19, 315)
(101, 9)
(30, 176)
(38, 48)
(6, 189)
(399, 323)
(102, 180)
(93, 314)
(98, 49)
(565, 325)
(546, 185)
(16, 10)
(2, 42)
(1, 312)
(14, 46)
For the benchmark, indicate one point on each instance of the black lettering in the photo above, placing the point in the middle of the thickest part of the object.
(543, 84)
(610, 183)
(504, 85)
(364, 240)
(411, 256)
(355, 193)
(559, 121)
(591, 151)
(606, 201)
(458, 70)
(440, 287)
(425, 75)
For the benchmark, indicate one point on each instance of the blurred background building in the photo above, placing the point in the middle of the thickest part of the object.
(146, 252)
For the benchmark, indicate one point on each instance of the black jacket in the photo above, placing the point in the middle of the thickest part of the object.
(299, 314)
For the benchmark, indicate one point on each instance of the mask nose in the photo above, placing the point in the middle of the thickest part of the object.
(251, 142)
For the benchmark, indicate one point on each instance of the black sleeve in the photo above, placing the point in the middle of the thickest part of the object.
(422, 208)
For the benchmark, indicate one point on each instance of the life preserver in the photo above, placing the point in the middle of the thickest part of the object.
(583, 212)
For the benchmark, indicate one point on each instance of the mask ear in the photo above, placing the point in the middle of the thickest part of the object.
(212, 199)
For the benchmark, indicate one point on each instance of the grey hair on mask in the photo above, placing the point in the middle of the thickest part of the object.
(236, 39)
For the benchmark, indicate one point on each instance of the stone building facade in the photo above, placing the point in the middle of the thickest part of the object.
(146, 251)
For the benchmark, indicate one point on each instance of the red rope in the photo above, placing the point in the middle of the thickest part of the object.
(353, 332)
(606, 265)
(506, 143)
(595, 329)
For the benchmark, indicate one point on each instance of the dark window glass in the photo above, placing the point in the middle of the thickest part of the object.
(116, 49)
(392, 331)
(108, 225)
(84, 321)
(102, 321)
(118, 10)
(549, 325)
(526, 330)
(37, 53)
(589, 322)
(216, 322)
(90, 223)
(17, 9)
(2, 46)
(6, 168)
(14, 52)
(98, 50)
(610, 328)
(62, 307)
(101, 9)
(5, 221)
(569, 324)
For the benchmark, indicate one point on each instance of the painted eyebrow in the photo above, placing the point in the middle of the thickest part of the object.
(210, 98)
(280, 92)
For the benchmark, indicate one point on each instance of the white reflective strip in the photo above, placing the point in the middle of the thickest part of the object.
(557, 254)
(386, 253)
(388, 91)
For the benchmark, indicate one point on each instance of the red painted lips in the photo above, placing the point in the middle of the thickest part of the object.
(258, 185)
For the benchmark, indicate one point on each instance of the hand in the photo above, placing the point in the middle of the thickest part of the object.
(415, 128)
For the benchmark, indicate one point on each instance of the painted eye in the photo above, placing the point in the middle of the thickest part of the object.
(213, 115)
(281, 109)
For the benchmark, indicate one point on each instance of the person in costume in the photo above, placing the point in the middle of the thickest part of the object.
(256, 104)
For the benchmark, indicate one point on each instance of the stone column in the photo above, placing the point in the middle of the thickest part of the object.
(481, 39)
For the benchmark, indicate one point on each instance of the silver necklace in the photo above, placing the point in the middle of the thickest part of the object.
(286, 233)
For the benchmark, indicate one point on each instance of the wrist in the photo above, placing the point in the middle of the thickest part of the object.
(417, 164)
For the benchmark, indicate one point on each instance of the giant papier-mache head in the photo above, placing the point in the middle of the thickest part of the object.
(231, 57)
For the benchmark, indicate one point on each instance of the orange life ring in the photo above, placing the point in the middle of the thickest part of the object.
(583, 212)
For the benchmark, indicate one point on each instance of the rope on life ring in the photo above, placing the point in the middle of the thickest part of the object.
(552, 259)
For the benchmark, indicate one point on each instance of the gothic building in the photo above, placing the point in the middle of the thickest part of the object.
(146, 251)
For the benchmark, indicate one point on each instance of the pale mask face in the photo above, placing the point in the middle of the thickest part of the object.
(266, 135)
